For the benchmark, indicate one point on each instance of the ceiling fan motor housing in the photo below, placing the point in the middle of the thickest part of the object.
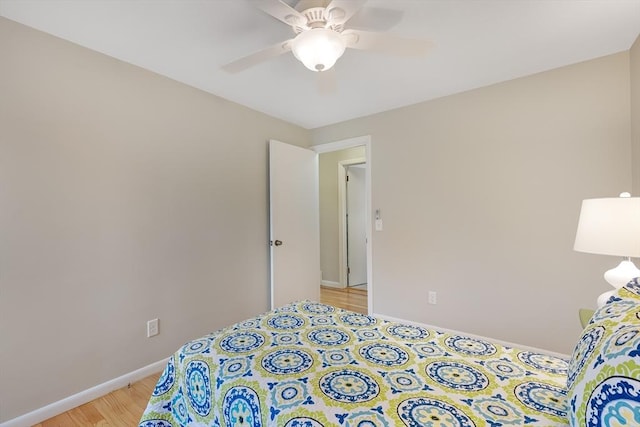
(317, 17)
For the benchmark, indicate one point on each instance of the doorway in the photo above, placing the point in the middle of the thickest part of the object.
(345, 245)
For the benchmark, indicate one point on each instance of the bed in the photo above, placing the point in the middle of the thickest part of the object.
(310, 364)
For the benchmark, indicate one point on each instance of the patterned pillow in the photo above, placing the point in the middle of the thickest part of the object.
(604, 372)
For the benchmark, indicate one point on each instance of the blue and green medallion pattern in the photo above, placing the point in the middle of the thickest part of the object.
(312, 365)
(604, 373)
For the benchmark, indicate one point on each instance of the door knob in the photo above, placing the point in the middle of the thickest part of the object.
(278, 242)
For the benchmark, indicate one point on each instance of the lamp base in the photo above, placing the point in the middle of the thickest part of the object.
(604, 297)
(622, 274)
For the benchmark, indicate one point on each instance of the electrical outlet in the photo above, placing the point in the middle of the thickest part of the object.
(152, 328)
(433, 297)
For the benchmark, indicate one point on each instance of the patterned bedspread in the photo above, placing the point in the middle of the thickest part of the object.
(310, 364)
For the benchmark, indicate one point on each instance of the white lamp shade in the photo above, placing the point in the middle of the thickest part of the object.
(609, 226)
(318, 49)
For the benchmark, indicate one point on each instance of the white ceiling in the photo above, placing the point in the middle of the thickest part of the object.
(477, 43)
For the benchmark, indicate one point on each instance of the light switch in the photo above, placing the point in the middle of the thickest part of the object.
(378, 225)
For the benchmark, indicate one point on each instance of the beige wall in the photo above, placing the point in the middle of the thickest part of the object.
(328, 168)
(124, 196)
(635, 115)
(481, 192)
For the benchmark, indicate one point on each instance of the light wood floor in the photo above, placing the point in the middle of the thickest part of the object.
(124, 407)
(347, 298)
(120, 408)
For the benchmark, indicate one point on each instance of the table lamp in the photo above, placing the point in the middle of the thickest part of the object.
(611, 226)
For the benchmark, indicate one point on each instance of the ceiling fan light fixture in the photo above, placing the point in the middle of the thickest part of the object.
(318, 48)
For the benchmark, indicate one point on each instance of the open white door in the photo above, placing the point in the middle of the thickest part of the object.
(356, 225)
(295, 225)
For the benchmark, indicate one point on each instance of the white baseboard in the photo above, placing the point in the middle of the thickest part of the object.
(57, 408)
(452, 331)
(331, 284)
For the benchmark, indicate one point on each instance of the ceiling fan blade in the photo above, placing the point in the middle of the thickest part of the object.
(386, 43)
(340, 11)
(376, 19)
(282, 12)
(257, 57)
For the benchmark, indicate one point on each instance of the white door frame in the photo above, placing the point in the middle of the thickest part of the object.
(341, 145)
(342, 216)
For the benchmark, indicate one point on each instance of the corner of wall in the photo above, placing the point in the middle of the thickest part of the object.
(634, 71)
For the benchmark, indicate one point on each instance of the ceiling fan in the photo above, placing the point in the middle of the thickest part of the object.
(321, 37)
